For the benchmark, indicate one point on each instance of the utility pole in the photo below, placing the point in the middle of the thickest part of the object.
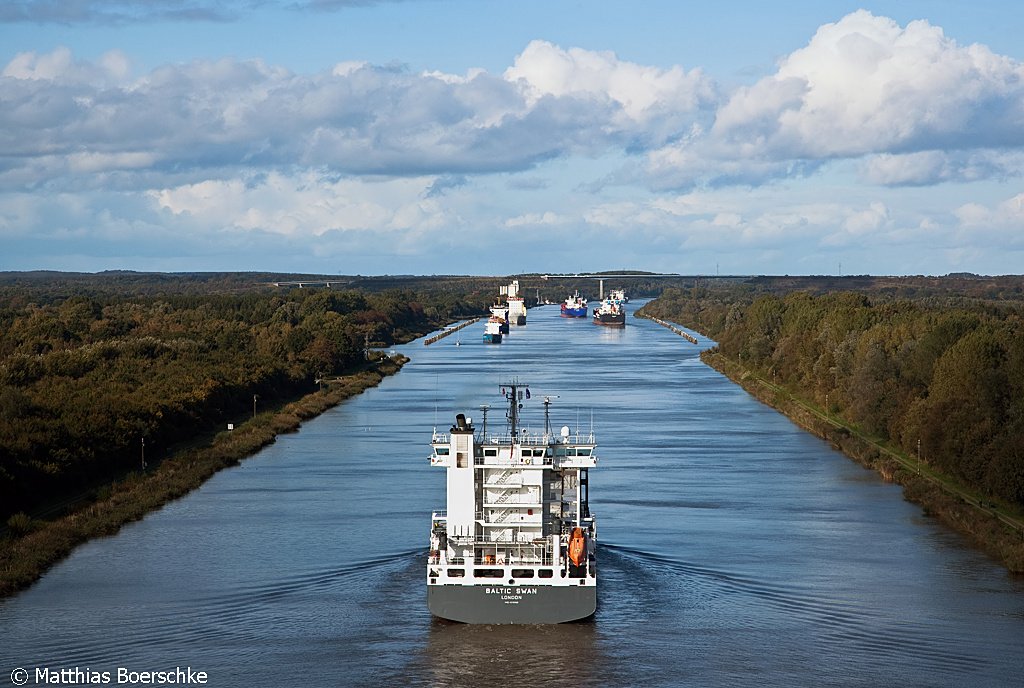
(254, 397)
(143, 453)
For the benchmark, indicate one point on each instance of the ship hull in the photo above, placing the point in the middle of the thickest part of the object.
(512, 604)
(610, 319)
(492, 338)
(580, 312)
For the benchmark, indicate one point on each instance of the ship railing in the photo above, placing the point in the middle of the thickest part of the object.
(527, 438)
(506, 553)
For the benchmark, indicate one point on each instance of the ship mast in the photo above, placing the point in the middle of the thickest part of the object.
(514, 397)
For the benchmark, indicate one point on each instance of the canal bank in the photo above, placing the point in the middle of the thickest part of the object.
(25, 557)
(990, 526)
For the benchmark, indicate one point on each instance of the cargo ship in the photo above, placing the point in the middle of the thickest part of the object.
(574, 307)
(517, 543)
(500, 311)
(515, 302)
(492, 331)
(610, 313)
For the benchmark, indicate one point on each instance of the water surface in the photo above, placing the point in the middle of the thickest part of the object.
(736, 549)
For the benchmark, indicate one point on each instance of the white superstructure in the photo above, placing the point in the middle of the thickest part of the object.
(516, 303)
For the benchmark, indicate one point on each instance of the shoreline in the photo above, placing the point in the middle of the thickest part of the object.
(987, 525)
(25, 559)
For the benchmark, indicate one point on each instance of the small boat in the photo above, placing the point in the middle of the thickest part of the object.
(574, 307)
(492, 331)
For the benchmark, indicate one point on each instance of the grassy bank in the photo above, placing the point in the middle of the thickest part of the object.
(32, 547)
(993, 527)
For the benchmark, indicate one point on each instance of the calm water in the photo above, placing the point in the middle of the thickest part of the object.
(736, 550)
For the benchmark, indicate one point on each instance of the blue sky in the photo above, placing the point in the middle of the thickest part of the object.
(445, 137)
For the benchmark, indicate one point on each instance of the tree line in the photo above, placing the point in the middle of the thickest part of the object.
(938, 372)
(98, 373)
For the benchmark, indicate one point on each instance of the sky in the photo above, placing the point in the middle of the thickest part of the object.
(495, 137)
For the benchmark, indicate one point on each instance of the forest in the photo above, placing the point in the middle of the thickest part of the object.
(101, 372)
(933, 366)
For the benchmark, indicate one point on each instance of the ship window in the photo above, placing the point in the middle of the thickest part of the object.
(456, 573)
(522, 573)
(538, 452)
(559, 451)
(441, 451)
(490, 452)
(545, 573)
(460, 460)
(488, 573)
(583, 452)
(570, 451)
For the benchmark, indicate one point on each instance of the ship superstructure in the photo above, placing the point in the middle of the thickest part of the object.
(618, 295)
(610, 313)
(516, 303)
(517, 543)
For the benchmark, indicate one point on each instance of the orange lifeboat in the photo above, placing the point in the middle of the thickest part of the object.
(577, 547)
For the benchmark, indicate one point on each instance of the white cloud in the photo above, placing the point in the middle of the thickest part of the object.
(305, 204)
(355, 118)
(863, 86)
(642, 92)
(536, 219)
(1007, 215)
(935, 167)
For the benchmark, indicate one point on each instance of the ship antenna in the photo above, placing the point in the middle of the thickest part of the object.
(484, 409)
(547, 415)
(435, 406)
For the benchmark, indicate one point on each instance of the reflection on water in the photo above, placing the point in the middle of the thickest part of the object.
(735, 549)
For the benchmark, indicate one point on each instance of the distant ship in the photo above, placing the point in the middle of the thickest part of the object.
(492, 331)
(611, 313)
(500, 311)
(574, 307)
(516, 303)
(517, 543)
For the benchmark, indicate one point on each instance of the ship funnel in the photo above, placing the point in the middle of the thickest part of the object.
(460, 421)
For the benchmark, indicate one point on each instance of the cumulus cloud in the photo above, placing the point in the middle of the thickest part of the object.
(303, 204)
(1008, 214)
(642, 94)
(935, 166)
(863, 86)
(866, 84)
(355, 119)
